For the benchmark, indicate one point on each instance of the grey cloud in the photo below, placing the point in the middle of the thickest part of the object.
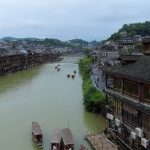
(67, 19)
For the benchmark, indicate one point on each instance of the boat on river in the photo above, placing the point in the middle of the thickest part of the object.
(68, 75)
(73, 76)
(58, 69)
(74, 72)
(56, 139)
(37, 135)
(82, 147)
(67, 139)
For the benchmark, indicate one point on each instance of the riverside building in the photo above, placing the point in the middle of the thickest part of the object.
(128, 89)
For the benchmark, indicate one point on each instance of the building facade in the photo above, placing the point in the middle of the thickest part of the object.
(128, 89)
(14, 63)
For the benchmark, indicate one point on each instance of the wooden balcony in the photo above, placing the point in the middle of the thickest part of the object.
(132, 102)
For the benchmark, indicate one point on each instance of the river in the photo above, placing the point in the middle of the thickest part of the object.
(44, 95)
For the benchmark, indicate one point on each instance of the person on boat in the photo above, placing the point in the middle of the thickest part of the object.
(54, 147)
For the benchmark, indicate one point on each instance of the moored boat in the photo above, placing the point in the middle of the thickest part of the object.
(56, 139)
(67, 139)
(37, 135)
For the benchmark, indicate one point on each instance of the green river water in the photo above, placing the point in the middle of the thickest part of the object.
(44, 95)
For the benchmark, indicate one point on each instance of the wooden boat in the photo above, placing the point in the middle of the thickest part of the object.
(67, 139)
(56, 139)
(82, 147)
(37, 135)
(68, 75)
(58, 69)
(73, 76)
(74, 72)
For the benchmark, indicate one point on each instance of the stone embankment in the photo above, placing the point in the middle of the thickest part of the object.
(100, 142)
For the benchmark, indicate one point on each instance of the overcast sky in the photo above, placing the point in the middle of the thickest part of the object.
(68, 19)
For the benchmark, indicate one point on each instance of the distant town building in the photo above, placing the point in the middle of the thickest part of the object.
(137, 38)
(106, 53)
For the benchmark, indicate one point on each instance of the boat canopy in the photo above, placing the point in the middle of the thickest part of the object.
(56, 136)
(67, 136)
(36, 130)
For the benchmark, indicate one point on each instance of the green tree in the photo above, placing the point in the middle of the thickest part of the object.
(132, 29)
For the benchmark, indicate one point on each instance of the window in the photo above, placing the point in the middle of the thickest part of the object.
(130, 116)
(117, 83)
(130, 88)
(147, 93)
(117, 107)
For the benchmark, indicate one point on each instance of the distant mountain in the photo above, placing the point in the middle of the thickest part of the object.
(77, 44)
(132, 29)
(84, 43)
(9, 38)
(78, 41)
(14, 38)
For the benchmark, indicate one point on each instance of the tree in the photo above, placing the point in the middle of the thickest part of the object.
(132, 29)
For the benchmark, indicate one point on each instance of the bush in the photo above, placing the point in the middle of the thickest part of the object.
(85, 67)
(94, 100)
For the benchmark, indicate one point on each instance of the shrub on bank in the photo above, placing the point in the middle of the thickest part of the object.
(85, 67)
(94, 100)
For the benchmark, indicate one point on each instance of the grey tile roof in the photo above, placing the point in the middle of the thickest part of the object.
(135, 67)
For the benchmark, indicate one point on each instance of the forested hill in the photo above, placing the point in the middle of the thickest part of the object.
(132, 29)
(51, 42)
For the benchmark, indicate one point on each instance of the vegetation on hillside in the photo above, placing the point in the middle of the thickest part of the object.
(132, 29)
(77, 44)
(94, 100)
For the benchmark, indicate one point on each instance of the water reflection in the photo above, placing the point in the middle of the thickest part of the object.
(94, 122)
(12, 81)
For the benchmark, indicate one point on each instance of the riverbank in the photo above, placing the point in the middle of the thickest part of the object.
(94, 100)
(99, 141)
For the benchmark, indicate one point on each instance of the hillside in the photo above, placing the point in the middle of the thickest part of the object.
(132, 29)
(74, 43)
